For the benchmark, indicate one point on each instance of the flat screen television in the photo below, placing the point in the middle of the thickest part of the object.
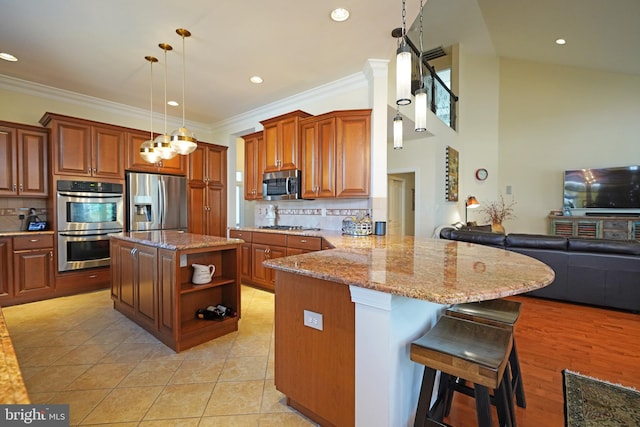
(614, 190)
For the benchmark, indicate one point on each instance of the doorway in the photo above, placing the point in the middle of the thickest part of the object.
(401, 204)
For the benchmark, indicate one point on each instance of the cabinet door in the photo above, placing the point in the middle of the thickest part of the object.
(175, 166)
(254, 165)
(6, 269)
(259, 272)
(318, 156)
(216, 163)
(8, 162)
(288, 143)
(146, 301)
(353, 159)
(216, 211)
(274, 252)
(72, 148)
(125, 278)
(197, 204)
(33, 163)
(107, 152)
(245, 265)
(33, 271)
(197, 164)
(271, 148)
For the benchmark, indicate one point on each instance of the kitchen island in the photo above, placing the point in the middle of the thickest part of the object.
(151, 283)
(344, 318)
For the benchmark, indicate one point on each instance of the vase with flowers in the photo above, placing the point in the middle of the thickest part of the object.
(498, 211)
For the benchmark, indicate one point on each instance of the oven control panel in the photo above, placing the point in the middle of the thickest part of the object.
(90, 186)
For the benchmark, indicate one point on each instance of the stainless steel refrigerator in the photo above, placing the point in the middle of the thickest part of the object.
(156, 202)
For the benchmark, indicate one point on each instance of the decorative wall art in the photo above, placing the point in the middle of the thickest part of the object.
(451, 179)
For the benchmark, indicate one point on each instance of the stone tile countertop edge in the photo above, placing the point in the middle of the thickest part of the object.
(440, 271)
(175, 240)
(12, 388)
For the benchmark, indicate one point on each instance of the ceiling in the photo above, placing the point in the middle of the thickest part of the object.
(98, 48)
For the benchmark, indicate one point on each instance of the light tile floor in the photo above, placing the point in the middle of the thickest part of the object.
(79, 350)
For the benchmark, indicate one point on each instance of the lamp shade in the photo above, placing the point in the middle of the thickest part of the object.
(162, 144)
(397, 132)
(183, 141)
(421, 110)
(472, 202)
(148, 152)
(403, 74)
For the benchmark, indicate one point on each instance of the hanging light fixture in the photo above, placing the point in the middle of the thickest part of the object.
(421, 92)
(147, 151)
(397, 131)
(183, 140)
(162, 143)
(403, 64)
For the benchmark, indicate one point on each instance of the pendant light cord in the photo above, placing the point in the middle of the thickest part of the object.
(184, 71)
(421, 50)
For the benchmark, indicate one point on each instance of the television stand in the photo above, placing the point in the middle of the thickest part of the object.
(597, 226)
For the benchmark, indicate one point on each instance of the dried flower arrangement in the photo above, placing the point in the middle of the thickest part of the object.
(498, 211)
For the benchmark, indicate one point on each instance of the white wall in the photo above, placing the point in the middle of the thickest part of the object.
(554, 118)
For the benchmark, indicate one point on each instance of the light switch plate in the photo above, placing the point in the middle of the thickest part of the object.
(183, 260)
(313, 319)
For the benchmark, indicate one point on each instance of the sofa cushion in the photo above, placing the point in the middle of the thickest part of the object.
(536, 241)
(481, 237)
(627, 247)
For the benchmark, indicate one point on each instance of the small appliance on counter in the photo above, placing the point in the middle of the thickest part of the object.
(357, 226)
(34, 223)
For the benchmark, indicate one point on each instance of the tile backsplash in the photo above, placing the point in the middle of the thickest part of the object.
(12, 208)
(325, 214)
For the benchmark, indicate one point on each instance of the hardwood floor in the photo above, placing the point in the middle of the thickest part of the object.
(552, 336)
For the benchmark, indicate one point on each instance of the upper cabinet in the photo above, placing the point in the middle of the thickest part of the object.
(85, 148)
(254, 165)
(24, 165)
(174, 166)
(336, 154)
(281, 141)
(207, 190)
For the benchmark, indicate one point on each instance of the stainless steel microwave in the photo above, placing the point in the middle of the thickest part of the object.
(281, 185)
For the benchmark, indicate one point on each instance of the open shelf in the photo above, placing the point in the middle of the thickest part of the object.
(197, 324)
(185, 288)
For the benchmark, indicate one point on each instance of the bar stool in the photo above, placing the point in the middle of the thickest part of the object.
(473, 352)
(501, 313)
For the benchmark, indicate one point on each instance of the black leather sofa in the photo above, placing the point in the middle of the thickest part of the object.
(598, 272)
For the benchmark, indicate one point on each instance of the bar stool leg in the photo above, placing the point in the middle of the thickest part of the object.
(424, 398)
(483, 405)
(517, 384)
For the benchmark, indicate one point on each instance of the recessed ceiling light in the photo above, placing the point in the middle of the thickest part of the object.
(173, 103)
(561, 41)
(256, 79)
(8, 57)
(340, 14)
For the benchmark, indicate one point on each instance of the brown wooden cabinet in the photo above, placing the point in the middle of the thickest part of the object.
(6, 269)
(281, 141)
(254, 165)
(85, 148)
(245, 253)
(24, 165)
(260, 246)
(152, 286)
(33, 266)
(336, 154)
(318, 135)
(174, 166)
(207, 190)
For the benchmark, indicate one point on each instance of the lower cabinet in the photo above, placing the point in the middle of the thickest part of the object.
(27, 270)
(152, 286)
(260, 246)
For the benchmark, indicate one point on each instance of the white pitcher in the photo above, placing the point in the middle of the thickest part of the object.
(202, 274)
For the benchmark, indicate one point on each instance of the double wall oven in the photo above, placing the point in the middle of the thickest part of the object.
(87, 213)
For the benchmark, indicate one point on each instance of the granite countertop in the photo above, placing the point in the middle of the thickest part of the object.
(440, 271)
(174, 240)
(12, 388)
(23, 233)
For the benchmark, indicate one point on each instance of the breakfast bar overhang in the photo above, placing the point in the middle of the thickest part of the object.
(345, 318)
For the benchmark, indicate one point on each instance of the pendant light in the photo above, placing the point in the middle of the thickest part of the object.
(163, 142)
(183, 140)
(397, 131)
(147, 151)
(421, 92)
(403, 65)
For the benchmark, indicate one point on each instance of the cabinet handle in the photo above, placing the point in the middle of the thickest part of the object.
(93, 276)
(20, 187)
(89, 171)
(14, 187)
(303, 241)
(34, 240)
(94, 170)
(50, 254)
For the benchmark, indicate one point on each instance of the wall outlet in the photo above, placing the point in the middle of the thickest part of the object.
(313, 319)
(183, 260)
